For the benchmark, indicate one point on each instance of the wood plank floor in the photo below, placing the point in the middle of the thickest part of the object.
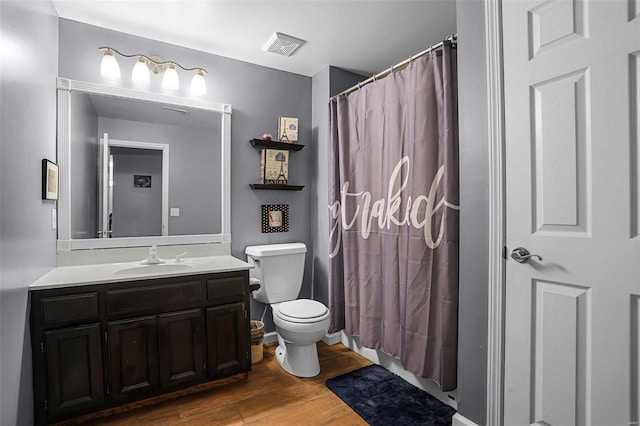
(270, 396)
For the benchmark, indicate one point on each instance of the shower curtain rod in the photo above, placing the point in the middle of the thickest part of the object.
(452, 38)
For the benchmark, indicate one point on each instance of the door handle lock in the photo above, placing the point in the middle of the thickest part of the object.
(522, 255)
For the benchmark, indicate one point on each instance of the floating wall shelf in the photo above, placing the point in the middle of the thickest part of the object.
(260, 143)
(276, 187)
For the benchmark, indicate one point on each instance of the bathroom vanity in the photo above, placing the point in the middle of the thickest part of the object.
(110, 334)
(107, 328)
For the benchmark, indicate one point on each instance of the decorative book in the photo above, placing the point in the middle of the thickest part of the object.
(274, 166)
(288, 129)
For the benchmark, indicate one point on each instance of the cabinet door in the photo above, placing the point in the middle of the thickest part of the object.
(74, 369)
(133, 354)
(227, 340)
(181, 343)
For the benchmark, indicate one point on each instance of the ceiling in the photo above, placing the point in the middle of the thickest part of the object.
(360, 36)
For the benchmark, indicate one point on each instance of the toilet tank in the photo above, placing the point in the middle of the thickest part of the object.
(280, 267)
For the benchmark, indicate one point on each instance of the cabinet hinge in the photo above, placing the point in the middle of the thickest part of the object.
(105, 336)
(204, 366)
(246, 355)
(245, 313)
(108, 390)
(42, 347)
(46, 407)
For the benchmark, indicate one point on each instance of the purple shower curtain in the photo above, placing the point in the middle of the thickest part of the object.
(393, 201)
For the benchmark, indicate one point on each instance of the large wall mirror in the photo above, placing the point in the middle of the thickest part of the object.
(140, 168)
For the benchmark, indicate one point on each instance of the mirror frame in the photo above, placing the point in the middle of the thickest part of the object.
(65, 243)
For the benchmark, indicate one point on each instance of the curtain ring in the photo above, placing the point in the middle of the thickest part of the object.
(359, 85)
(374, 78)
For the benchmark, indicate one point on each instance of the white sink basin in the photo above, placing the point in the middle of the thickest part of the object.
(160, 268)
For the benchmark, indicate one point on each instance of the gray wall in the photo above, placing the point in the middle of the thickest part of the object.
(84, 157)
(137, 212)
(325, 84)
(474, 211)
(28, 67)
(258, 96)
(319, 215)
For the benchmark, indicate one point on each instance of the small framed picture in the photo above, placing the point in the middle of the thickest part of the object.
(275, 218)
(141, 181)
(49, 180)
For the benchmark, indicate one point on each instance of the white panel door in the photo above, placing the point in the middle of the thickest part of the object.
(571, 81)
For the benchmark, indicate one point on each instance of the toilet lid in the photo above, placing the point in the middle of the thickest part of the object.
(302, 310)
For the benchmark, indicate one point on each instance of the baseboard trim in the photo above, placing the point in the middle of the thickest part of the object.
(332, 338)
(459, 420)
(270, 337)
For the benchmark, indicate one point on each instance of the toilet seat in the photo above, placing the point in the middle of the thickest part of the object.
(302, 311)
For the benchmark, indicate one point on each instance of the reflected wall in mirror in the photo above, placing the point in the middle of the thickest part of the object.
(139, 168)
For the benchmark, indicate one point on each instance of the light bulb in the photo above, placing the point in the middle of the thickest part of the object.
(109, 66)
(170, 79)
(140, 73)
(198, 85)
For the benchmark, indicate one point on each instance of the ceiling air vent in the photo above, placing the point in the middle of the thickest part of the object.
(282, 44)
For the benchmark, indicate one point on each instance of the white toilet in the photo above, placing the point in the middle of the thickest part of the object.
(300, 323)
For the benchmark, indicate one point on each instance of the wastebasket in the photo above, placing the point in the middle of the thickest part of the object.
(257, 334)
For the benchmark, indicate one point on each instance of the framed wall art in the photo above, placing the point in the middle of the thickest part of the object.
(141, 181)
(275, 218)
(49, 180)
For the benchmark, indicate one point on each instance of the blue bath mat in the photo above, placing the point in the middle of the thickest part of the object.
(382, 398)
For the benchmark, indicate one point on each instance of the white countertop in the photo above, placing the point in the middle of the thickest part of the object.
(71, 276)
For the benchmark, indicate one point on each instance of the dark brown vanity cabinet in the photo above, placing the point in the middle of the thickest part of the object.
(74, 366)
(133, 356)
(227, 354)
(98, 346)
(182, 351)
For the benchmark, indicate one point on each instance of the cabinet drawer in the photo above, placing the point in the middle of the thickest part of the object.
(71, 307)
(226, 289)
(152, 298)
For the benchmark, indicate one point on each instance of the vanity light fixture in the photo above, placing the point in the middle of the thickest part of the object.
(140, 73)
(151, 64)
(170, 79)
(109, 66)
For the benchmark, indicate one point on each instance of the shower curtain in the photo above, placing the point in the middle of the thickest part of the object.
(393, 203)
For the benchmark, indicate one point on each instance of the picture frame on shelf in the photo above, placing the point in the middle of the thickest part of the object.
(274, 167)
(288, 129)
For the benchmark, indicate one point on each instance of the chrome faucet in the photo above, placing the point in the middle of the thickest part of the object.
(152, 258)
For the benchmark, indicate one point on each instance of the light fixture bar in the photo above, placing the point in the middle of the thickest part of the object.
(159, 63)
(146, 64)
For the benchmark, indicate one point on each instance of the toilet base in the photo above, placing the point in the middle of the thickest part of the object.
(301, 361)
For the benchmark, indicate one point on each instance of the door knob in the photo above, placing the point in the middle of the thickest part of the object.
(522, 255)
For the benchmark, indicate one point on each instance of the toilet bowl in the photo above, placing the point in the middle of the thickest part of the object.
(300, 323)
